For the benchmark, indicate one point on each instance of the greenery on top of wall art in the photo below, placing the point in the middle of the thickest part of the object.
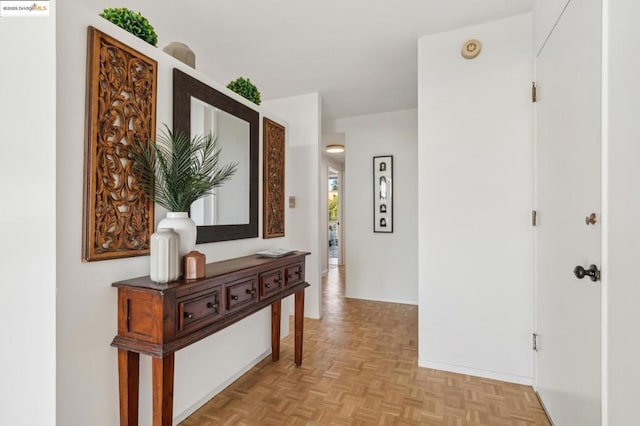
(132, 22)
(246, 89)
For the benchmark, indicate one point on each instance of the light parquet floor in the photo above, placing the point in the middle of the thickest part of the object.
(360, 368)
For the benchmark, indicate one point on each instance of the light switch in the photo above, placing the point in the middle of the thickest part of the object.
(292, 202)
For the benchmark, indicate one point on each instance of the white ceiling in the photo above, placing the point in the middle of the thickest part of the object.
(360, 55)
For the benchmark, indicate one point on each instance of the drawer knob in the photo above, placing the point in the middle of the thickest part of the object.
(234, 297)
(251, 292)
(189, 315)
(213, 306)
(268, 285)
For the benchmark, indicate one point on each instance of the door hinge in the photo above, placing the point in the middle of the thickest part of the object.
(534, 92)
(534, 218)
(535, 342)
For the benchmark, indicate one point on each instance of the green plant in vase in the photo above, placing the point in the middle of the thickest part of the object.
(132, 22)
(174, 172)
(246, 89)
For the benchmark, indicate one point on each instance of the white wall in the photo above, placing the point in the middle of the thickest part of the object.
(302, 180)
(475, 199)
(546, 14)
(27, 221)
(622, 199)
(87, 388)
(381, 266)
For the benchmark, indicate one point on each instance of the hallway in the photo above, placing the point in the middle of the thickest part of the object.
(360, 368)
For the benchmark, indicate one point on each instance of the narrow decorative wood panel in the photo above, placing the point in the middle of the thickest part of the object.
(273, 180)
(120, 113)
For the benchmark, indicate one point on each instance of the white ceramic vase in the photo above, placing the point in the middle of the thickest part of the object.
(181, 52)
(164, 262)
(185, 228)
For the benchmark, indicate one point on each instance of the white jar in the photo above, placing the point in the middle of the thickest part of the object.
(165, 261)
(186, 228)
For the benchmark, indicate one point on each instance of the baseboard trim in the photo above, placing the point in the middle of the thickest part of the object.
(192, 409)
(487, 374)
(372, 299)
(546, 412)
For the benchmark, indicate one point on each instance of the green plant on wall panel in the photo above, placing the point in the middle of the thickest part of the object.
(246, 89)
(132, 22)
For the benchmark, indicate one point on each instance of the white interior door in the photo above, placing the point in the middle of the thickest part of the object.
(568, 76)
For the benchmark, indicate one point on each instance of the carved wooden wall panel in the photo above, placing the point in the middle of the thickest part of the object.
(120, 112)
(273, 180)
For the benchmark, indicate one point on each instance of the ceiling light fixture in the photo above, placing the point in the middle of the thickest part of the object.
(335, 148)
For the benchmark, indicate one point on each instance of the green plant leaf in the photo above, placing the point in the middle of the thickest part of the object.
(246, 89)
(132, 22)
(176, 171)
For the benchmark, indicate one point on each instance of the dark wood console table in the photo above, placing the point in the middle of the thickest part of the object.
(159, 319)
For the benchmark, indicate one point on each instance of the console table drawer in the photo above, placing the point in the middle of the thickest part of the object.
(198, 310)
(271, 283)
(293, 274)
(241, 293)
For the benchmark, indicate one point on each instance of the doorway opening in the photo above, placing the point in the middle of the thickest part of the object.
(333, 217)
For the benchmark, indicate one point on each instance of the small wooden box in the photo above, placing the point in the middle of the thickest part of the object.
(194, 262)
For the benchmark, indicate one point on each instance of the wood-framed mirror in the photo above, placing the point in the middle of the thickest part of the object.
(231, 213)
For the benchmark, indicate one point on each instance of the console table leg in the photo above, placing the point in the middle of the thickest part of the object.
(299, 322)
(276, 309)
(129, 382)
(162, 370)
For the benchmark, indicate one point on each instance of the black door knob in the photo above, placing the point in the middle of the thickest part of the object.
(592, 272)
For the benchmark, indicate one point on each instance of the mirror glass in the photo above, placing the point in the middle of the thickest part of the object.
(228, 204)
(198, 109)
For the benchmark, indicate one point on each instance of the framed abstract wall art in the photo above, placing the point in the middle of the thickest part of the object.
(383, 194)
